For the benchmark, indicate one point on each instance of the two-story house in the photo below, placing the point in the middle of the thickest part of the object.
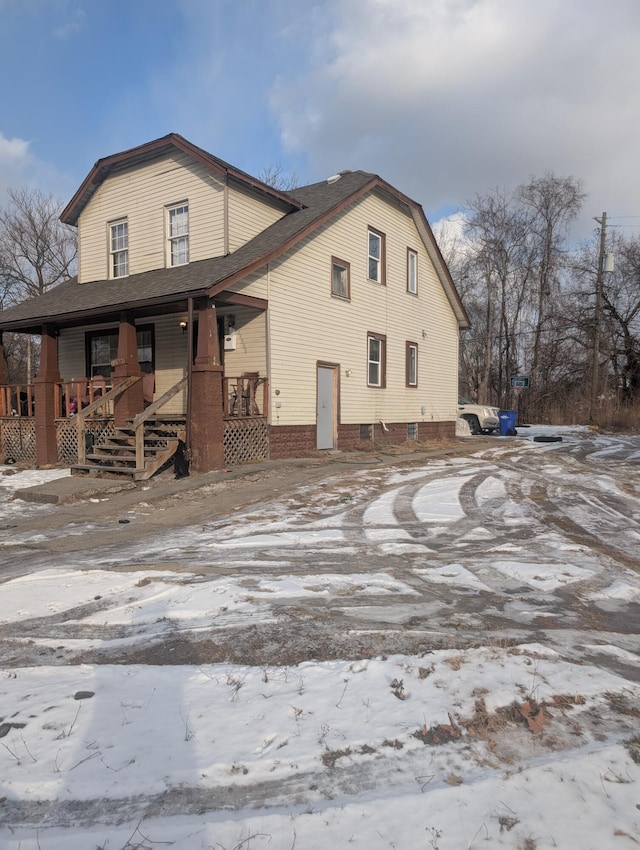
(247, 321)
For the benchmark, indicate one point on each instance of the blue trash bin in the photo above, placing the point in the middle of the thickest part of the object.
(507, 423)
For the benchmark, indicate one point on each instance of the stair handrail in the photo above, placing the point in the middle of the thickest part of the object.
(141, 418)
(82, 415)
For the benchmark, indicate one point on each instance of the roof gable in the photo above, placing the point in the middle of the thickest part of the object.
(157, 148)
(310, 207)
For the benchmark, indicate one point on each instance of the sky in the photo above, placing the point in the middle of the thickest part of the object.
(445, 99)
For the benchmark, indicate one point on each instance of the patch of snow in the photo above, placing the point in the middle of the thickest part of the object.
(544, 577)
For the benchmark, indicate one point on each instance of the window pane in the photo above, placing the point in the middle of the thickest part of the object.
(412, 276)
(178, 233)
(180, 251)
(179, 221)
(119, 249)
(119, 236)
(104, 349)
(339, 281)
(375, 253)
(375, 359)
(412, 365)
(145, 346)
(120, 263)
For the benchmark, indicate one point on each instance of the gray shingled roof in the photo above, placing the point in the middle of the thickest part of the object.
(72, 299)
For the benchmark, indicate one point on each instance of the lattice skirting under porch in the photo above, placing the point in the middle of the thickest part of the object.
(67, 436)
(245, 440)
(18, 439)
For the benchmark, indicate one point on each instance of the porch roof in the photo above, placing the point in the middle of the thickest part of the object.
(75, 303)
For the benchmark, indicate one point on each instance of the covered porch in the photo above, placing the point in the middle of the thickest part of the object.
(142, 396)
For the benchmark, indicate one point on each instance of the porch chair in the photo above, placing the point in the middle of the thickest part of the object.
(250, 382)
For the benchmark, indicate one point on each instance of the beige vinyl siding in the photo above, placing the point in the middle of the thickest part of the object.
(171, 359)
(249, 215)
(251, 352)
(307, 324)
(141, 194)
(256, 285)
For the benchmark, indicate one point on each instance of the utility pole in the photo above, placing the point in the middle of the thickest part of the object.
(595, 370)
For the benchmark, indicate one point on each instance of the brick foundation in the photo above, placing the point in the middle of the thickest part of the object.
(436, 431)
(291, 441)
(299, 440)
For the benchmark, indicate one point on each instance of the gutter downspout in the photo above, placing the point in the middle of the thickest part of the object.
(189, 373)
(225, 212)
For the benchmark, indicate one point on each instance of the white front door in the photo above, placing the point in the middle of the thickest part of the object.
(326, 418)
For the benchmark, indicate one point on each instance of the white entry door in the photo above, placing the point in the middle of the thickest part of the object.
(326, 417)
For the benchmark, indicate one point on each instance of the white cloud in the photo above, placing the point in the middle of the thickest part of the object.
(449, 98)
(19, 168)
(12, 151)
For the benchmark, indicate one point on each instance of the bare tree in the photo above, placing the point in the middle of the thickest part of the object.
(513, 275)
(276, 177)
(621, 299)
(500, 265)
(37, 251)
(552, 204)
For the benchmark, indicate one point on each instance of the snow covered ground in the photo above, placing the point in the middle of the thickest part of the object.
(440, 656)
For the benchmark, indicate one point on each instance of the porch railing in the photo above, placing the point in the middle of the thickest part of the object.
(73, 396)
(70, 397)
(141, 418)
(245, 396)
(17, 400)
(102, 402)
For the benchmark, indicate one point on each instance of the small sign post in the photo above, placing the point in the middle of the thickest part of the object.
(520, 382)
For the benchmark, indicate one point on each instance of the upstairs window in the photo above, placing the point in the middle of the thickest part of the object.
(178, 229)
(119, 248)
(340, 278)
(412, 271)
(376, 360)
(376, 260)
(412, 364)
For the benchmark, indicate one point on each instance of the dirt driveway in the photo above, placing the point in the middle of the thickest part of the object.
(493, 541)
(374, 647)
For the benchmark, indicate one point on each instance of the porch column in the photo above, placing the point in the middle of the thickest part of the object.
(206, 426)
(44, 390)
(131, 402)
(3, 363)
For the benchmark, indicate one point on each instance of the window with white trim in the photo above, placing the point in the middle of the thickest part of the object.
(376, 360)
(178, 234)
(340, 278)
(119, 248)
(412, 364)
(412, 271)
(376, 258)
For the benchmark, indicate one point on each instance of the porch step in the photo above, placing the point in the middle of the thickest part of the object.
(115, 454)
(106, 470)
